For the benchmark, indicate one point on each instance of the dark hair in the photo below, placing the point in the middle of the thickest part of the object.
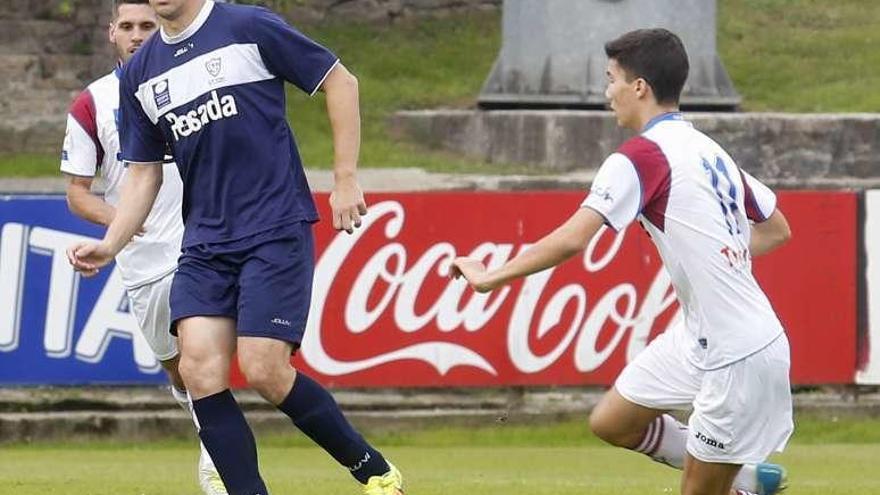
(117, 3)
(655, 55)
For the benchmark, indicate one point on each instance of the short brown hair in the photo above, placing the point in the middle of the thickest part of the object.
(117, 3)
(656, 55)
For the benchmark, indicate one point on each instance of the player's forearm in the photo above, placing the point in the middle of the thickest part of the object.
(537, 258)
(341, 88)
(86, 205)
(139, 189)
(762, 243)
(552, 250)
(769, 234)
(569, 239)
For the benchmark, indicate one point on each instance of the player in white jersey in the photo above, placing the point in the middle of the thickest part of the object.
(728, 358)
(147, 264)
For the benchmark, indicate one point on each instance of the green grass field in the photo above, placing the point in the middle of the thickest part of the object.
(783, 55)
(825, 457)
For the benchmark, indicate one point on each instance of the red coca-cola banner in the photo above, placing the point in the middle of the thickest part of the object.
(385, 313)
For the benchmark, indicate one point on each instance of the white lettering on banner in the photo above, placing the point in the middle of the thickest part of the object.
(592, 265)
(475, 314)
(63, 288)
(106, 321)
(13, 256)
(358, 318)
(443, 356)
(386, 271)
(657, 300)
(521, 321)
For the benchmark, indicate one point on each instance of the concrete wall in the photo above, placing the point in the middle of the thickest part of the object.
(51, 49)
(807, 150)
(376, 10)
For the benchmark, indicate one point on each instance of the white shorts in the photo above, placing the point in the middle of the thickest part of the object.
(149, 304)
(742, 412)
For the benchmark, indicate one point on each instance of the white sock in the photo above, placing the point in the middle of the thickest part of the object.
(665, 441)
(183, 398)
(747, 479)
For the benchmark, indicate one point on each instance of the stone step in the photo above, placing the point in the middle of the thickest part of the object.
(42, 137)
(28, 36)
(99, 399)
(50, 71)
(772, 146)
(28, 9)
(66, 11)
(141, 426)
(32, 108)
(150, 413)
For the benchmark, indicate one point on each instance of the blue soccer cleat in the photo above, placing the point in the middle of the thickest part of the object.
(772, 478)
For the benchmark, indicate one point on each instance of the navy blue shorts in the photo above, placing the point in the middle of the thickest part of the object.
(264, 283)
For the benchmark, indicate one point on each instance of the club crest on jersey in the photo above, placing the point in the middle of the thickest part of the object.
(161, 93)
(213, 66)
(216, 108)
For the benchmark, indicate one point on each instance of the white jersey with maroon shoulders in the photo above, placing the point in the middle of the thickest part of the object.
(92, 143)
(696, 204)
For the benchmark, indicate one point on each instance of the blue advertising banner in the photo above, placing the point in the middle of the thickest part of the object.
(57, 328)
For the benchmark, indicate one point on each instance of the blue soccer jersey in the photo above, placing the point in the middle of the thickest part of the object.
(214, 96)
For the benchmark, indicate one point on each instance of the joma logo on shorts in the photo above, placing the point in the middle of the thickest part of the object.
(711, 442)
(215, 108)
(280, 321)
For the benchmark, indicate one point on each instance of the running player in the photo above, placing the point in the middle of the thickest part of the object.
(147, 264)
(729, 356)
(211, 87)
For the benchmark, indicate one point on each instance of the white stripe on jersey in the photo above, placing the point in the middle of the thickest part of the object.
(234, 64)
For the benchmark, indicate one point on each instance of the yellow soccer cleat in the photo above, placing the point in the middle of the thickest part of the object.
(390, 483)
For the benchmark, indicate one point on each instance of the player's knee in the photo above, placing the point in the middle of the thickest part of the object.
(600, 425)
(607, 428)
(202, 376)
(260, 374)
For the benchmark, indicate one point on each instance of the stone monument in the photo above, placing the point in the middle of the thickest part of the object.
(552, 53)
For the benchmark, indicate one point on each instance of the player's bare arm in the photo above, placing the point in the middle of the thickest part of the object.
(347, 199)
(569, 239)
(85, 204)
(139, 190)
(769, 234)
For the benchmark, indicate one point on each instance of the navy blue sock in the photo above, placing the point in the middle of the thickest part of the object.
(314, 411)
(230, 442)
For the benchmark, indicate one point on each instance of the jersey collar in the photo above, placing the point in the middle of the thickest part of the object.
(192, 28)
(662, 117)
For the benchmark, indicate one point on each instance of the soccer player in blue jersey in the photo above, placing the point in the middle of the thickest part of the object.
(147, 264)
(210, 88)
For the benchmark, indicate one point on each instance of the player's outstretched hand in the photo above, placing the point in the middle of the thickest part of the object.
(348, 204)
(473, 271)
(88, 257)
